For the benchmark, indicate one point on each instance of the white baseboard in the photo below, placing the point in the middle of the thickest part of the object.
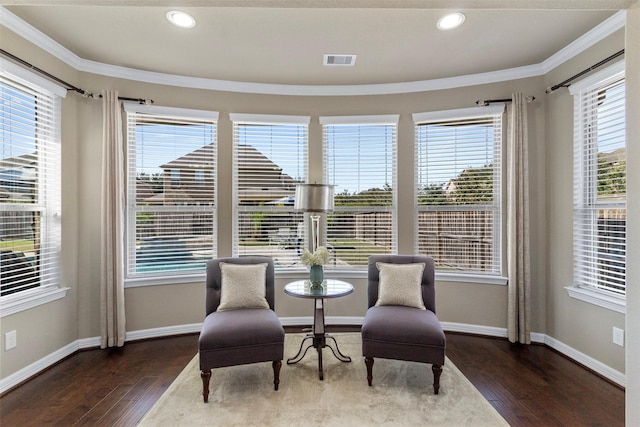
(38, 366)
(588, 361)
(163, 332)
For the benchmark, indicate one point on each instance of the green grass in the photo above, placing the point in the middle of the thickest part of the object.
(355, 252)
(17, 245)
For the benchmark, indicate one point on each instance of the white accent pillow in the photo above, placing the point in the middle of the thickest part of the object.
(400, 284)
(243, 286)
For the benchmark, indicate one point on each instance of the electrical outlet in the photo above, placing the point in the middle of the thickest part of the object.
(618, 336)
(10, 340)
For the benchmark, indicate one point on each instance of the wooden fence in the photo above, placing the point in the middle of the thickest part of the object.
(458, 240)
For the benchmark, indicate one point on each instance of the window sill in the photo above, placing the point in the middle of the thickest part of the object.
(12, 304)
(164, 280)
(471, 278)
(440, 276)
(330, 273)
(612, 303)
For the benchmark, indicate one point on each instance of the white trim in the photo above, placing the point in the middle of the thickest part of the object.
(481, 279)
(23, 75)
(616, 22)
(587, 361)
(459, 113)
(20, 301)
(491, 331)
(613, 71)
(596, 298)
(144, 334)
(301, 273)
(386, 119)
(188, 113)
(38, 366)
(49, 45)
(268, 119)
(139, 281)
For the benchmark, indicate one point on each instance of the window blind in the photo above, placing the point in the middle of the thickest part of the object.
(458, 187)
(29, 186)
(270, 158)
(600, 187)
(171, 191)
(360, 161)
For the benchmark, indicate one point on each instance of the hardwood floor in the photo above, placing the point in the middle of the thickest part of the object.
(529, 385)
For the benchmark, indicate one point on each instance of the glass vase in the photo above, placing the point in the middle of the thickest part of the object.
(316, 275)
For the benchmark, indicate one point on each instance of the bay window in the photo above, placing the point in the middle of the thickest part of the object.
(30, 190)
(269, 159)
(600, 188)
(360, 161)
(458, 189)
(171, 191)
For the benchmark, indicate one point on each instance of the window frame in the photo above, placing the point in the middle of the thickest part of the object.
(270, 121)
(363, 121)
(496, 113)
(43, 293)
(133, 108)
(583, 192)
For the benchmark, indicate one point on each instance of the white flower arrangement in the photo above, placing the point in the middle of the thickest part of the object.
(319, 257)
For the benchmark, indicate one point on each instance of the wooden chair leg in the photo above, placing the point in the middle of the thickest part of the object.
(206, 376)
(369, 362)
(437, 370)
(277, 364)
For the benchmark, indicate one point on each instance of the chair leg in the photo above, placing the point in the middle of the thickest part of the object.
(437, 370)
(369, 362)
(277, 364)
(206, 376)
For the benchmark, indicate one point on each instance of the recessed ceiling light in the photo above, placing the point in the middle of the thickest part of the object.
(451, 21)
(181, 19)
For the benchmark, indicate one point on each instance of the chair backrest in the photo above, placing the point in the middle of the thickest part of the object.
(428, 277)
(214, 279)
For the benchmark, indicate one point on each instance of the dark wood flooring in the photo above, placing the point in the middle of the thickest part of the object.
(529, 385)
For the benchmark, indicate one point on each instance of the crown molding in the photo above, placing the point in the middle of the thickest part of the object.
(614, 23)
(33, 35)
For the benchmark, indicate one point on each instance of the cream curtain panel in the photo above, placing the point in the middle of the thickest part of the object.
(519, 304)
(112, 324)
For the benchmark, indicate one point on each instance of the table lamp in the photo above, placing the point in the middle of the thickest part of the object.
(315, 199)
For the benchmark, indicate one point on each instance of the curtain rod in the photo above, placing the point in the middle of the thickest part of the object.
(581, 73)
(68, 86)
(485, 102)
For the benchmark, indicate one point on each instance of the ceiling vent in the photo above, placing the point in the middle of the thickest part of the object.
(339, 60)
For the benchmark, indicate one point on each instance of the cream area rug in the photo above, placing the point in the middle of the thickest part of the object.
(401, 395)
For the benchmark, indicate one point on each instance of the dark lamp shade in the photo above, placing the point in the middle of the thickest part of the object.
(314, 198)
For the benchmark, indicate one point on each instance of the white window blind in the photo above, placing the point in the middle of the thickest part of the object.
(270, 158)
(30, 230)
(600, 187)
(360, 161)
(171, 191)
(458, 187)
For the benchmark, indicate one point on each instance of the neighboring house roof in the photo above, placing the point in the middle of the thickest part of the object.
(202, 158)
(261, 179)
(18, 177)
(18, 161)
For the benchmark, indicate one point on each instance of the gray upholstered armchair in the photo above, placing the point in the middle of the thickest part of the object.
(401, 321)
(241, 326)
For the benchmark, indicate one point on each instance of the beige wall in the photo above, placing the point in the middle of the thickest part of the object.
(633, 224)
(583, 326)
(48, 328)
(461, 303)
(52, 326)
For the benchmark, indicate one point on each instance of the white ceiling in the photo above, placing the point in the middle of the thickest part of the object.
(395, 41)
